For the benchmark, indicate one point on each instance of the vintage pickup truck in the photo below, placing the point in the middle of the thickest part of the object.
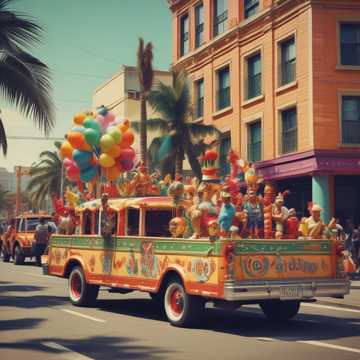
(184, 274)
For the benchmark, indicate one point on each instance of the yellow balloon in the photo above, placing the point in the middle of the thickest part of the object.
(106, 161)
(114, 151)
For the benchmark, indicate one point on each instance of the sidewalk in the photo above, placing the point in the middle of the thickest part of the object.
(350, 301)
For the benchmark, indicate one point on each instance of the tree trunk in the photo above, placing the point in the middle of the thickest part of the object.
(143, 132)
(179, 162)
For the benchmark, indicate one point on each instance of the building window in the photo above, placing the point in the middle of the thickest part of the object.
(254, 76)
(250, 7)
(351, 119)
(350, 44)
(199, 96)
(220, 16)
(199, 25)
(254, 141)
(223, 95)
(225, 146)
(288, 61)
(288, 131)
(184, 33)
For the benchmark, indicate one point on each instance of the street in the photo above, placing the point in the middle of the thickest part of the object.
(38, 322)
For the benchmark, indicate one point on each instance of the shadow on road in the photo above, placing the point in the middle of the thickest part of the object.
(96, 347)
(20, 288)
(20, 324)
(248, 322)
(32, 302)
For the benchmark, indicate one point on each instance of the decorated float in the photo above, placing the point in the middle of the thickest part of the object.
(228, 241)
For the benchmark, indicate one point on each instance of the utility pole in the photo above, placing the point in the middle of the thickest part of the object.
(19, 172)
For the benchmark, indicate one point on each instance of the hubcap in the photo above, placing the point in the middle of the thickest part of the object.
(75, 285)
(177, 301)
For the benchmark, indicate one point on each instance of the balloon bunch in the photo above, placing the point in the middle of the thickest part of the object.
(98, 141)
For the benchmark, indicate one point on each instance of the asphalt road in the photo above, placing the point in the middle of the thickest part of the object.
(38, 322)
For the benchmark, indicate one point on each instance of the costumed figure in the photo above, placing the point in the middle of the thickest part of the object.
(107, 222)
(164, 185)
(292, 225)
(177, 227)
(226, 215)
(314, 226)
(267, 202)
(213, 230)
(141, 184)
(254, 214)
(208, 210)
(279, 215)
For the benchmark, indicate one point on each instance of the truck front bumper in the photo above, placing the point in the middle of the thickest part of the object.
(305, 289)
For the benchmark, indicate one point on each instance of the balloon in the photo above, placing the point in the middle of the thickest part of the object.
(73, 171)
(102, 110)
(82, 157)
(79, 129)
(88, 173)
(76, 139)
(127, 139)
(90, 123)
(67, 163)
(106, 161)
(79, 118)
(114, 132)
(114, 151)
(92, 137)
(126, 165)
(126, 154)
(112, 173)
(106, 142)
(124, 126)
(66, 150)
(109, 117)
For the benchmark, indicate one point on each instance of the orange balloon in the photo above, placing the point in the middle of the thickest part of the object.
(79, 118)
(66, 150)
(76, 139)
(127, 139)
(86, 147)
(112, 173)
(114, 151)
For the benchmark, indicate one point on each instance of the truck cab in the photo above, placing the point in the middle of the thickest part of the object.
(18, 239)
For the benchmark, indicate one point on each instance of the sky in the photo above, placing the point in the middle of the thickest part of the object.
(84, 43)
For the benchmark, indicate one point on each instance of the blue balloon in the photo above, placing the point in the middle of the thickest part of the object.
(79, 129)
(88, 173)
(82, 157)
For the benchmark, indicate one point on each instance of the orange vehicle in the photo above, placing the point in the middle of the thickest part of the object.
(183, 274)
(18, 239)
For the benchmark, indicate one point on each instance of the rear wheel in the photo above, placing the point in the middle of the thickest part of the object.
(278, 310)
(80, 292)
(6, 255)
(181, 309)
(19, 257)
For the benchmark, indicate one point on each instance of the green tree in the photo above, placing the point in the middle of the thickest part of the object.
(4, 201)
(145, 75)
(180, 136)
(24, 79)
(46, 177)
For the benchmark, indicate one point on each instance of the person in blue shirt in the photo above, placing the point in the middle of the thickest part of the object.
(226, 215)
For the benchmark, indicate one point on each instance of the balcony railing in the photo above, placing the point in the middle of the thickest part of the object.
(289, 141)
(287, 72)
(223, 98)
(351, 132)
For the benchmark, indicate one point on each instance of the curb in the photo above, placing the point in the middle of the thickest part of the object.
(330, 303)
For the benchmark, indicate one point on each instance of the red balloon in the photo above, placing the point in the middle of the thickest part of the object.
(127, 165)
(127, 154)
(76, 139)
(127, 139)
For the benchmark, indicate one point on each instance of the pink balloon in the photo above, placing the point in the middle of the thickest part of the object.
(67, 163)
(127, 154)
(109, 117)
(126, 165)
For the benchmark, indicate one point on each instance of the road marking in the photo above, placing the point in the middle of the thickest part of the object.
(330, 346)
(83, 315)
(328, 307)
(66, 353)
(266, 339)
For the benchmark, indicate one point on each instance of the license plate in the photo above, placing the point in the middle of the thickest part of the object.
(291, 292)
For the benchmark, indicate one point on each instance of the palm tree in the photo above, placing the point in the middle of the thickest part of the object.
(46, 177)
(24, 79)
(145, 75)
(180, 136)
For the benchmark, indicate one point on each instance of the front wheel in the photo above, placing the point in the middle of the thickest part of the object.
(278, 310)
(19, 257)
(181, 309)
(80, 292)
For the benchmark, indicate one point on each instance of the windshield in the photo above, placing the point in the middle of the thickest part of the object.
(33, 222)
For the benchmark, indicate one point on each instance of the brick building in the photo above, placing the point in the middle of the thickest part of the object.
(281, 80)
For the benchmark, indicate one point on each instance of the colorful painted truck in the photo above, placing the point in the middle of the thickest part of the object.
(184, 274)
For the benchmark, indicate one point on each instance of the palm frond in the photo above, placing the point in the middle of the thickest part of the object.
(3, 140)
(193, 159)
(202, 130)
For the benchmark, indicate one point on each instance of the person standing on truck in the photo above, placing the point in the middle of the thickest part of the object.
(41, 238)
(107, 219)
(51, 224)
